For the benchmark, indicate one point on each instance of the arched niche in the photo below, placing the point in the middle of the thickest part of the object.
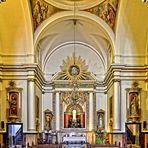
(74, 117)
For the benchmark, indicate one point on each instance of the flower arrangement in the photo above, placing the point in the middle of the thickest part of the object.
(102, 138)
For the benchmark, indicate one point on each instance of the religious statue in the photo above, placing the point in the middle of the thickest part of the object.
(13, 111)
(48, 119)
(134, 104)
(100, 115)
(100, 120)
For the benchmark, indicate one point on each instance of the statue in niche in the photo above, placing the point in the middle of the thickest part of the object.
(134, 104)
(48, 119)
(100, 115)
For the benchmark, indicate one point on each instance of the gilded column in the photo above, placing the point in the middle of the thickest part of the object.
(57, 111)
(117, 106)
(31, 104)
(91, 113)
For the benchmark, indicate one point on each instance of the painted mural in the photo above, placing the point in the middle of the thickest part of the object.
(41, 11)
(107, 11)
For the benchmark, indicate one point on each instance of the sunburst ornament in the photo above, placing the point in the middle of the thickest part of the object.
(74, 68)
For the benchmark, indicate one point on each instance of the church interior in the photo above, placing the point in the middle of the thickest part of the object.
(74, 72)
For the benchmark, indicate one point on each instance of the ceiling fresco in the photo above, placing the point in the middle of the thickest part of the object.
(106, 10)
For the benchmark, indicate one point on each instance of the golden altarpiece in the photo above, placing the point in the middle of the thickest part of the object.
(75, 87)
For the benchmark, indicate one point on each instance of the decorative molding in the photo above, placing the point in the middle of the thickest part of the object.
(69, 4)
(31, 79)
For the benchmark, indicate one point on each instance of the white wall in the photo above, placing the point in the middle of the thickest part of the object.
(95, 65)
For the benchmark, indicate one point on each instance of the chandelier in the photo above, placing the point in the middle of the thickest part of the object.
(75, 96)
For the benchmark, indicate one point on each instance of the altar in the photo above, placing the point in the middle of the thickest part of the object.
(73, 139)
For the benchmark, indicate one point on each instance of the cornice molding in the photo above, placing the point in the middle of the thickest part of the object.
(26, 71)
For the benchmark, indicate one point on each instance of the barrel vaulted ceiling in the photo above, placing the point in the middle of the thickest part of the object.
(53, 22)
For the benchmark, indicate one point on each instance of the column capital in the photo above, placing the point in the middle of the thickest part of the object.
(31, 79)
(146, 80)
(90, 91)
(117, 80)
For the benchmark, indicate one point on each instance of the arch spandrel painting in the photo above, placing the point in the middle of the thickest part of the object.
(133, 103)
(43, 9)
(107, 11)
